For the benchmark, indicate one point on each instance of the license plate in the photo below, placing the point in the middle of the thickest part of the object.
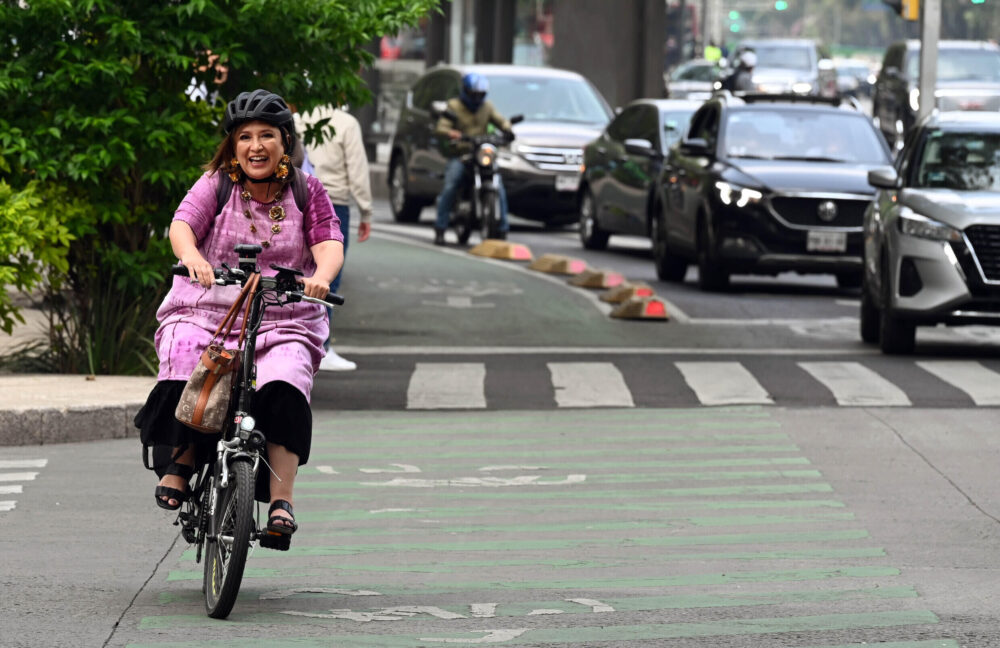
(567, 183)
(826, 241)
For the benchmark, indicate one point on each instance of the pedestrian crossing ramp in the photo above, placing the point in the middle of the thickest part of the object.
(465, 385)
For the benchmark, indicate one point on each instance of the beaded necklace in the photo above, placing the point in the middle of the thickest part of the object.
(276, 213)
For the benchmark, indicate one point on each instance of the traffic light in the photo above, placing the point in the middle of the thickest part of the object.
(780, 5)
(908, 9)
(734, 26)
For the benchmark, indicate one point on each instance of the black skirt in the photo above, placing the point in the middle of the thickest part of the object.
(281, 411)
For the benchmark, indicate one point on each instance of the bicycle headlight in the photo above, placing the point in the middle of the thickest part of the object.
(486, 154)
(740, 196)
(247, 423)
(913, 224)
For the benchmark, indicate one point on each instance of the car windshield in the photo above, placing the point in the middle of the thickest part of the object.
(794, 57)
(963, 161)
(548, 99)
(675, 124)
(696, 72)
(961, 65)
(791, 134)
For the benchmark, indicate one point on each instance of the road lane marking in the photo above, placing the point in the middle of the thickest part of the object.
(981, 384)
(7, 505)
(854, 384)
(594, 350)
(447, 385)
(589, 384)
(9, 464)
(11, 490)
(723, 383)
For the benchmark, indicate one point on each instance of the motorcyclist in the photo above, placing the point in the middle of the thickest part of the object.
(741, 80)
(473, 115)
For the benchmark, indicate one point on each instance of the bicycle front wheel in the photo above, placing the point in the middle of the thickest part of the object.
(230, 529)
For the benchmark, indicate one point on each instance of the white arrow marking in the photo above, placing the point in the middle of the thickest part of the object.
(544, 611)
(394, 510)
(459, 301)
(412, 610)
(361, 617)
(511, 467)
(326, 470)
(399, 468)
(491, 482)
(280, 594)
(596, 606)
(492, 636)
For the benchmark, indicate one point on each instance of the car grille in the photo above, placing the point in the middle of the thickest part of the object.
(804, 211)
(985, 240)
(552, 158)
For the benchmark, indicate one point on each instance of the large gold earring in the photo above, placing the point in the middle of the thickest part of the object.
(282, 169)
(234, 170)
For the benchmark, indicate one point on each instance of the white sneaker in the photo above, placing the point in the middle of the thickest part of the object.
(333, 362)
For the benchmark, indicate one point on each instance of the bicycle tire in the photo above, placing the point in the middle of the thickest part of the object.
(231, 527)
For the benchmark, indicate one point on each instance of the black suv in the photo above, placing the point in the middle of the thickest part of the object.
(968, 78)
(541, 171)
(765, 184)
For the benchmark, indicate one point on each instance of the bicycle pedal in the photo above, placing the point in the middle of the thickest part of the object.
(276, 541)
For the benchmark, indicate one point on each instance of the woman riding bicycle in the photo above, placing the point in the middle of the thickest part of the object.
(260, 209)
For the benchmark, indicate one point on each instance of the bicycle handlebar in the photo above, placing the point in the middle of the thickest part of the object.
(225, 277)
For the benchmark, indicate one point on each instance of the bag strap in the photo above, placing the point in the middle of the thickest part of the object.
(253, 283)
(230, 319)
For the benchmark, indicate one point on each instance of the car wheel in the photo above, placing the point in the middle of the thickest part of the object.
(869, 317)
(897, 336)
(405, 208)
(591, 235)
(668, 268)
(849, 280)
(712, 276)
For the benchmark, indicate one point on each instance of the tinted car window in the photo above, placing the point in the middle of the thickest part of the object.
(705, 125)
(422, 97)
(800, 134)
(961, 65)
(960, 160)
(793, 58)
(552, 99)
(695, 72)
(626, 125)
(675, 124)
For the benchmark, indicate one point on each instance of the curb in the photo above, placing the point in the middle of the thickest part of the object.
(67, 425)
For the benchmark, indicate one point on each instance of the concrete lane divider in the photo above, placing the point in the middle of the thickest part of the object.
(597, 279)
(497, 249)
(626, 291)
(558, 264)
(648, 308)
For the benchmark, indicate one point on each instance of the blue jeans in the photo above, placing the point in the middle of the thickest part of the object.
(453, 174)
(344, 214)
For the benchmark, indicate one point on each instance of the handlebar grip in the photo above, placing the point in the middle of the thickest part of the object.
(335, 299)
(179, 270)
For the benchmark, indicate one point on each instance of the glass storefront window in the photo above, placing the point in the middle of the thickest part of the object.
(533, 35)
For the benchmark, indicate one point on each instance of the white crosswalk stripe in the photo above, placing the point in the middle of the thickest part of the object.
(981, 384)
(447, 385)
(589, 384)
(854, 384)
(723, 383)
(9, 488)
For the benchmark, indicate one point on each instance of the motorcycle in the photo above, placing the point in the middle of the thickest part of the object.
(477, 205)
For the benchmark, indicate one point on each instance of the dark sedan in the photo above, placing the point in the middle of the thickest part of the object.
(768, 184)
(618, 191)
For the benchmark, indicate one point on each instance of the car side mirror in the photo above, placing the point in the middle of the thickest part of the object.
(884, 178)
(696, 146)
(516, 119)
(639, 146)
(892, 72)
(440, 109)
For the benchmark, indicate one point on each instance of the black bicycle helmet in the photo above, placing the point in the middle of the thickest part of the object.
(259, 105)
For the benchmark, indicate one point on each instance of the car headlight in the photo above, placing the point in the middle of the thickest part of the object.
(915, 99)
(802, 87)
(913, 224)
(740, 196)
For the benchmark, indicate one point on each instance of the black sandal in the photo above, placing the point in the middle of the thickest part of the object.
(279, 524)
(161, 492)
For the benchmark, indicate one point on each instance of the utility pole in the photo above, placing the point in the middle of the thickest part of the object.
(930, 32)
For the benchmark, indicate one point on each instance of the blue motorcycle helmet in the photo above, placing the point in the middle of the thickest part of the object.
(474, 89)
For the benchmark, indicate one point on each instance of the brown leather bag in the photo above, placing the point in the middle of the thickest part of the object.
(204, 403)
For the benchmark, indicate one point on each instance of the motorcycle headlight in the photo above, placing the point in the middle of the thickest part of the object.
(913, 224)
(740, 196)
(486, 154)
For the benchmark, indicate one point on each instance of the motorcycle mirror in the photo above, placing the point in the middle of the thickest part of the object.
(516, 118)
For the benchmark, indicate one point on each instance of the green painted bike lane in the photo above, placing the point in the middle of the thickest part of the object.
(404, 546)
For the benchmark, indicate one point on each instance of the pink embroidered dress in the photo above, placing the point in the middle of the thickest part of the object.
(290, 339)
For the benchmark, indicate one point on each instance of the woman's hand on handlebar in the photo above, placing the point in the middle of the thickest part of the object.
(199, 269)
(313, 287)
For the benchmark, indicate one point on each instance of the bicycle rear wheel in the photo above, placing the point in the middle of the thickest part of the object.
(230, 529)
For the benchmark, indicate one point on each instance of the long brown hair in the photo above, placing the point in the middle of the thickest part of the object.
(227, 151)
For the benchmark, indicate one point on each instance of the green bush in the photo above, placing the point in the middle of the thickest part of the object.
(99, 141)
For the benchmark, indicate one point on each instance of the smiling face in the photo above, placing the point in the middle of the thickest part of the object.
(258, 148)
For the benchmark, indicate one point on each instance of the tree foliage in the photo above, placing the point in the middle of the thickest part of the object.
(99, 141)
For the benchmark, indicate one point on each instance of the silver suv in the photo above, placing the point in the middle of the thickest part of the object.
(932, 235)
